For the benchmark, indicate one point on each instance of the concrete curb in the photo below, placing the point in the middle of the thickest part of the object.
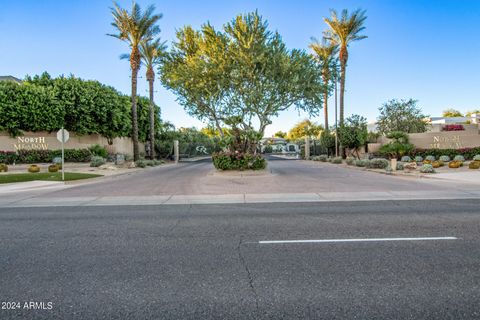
(240, 198)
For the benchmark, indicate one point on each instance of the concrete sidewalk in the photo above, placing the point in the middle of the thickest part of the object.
(7, 188)
(42, 201)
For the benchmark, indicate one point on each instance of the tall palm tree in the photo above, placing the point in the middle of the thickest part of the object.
(151, 52)
(342, 31)
(326, 54)
(134, 28)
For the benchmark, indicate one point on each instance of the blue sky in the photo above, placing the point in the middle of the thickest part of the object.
(426, 50)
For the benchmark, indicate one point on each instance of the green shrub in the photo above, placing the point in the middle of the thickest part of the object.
(315, 158)
(389, 169)
(378, 163)
(406, 159)
(157, 162)
(444, 158)
(427, 168)
(337, 160)
(98, 150)
(97, 161)
(3, 167)
(323, 157)
(476, 157)
(467, 153)
(474, 165)
(8, 157)
(350, 161)
(455, 164)
(141, 163)
(33, 168)
(459, 158)
(418, 159)
(399, 166)
(53, 168)
(437, 164)
(238, 161)
(362, 162)
(430, 158)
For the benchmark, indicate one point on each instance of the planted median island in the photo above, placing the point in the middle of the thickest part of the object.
(239, 78)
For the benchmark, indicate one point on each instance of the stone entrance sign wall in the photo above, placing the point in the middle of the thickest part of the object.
(445, 140)
(48, 141)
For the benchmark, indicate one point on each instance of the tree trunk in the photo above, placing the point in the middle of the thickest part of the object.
(325, 102)
(152, 119)
(343, 66)
(135, 64)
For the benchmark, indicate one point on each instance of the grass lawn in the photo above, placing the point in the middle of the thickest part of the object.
(45, 176)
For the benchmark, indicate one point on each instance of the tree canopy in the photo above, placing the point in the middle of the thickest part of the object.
(305, 128)
(353, 133)
(451, 113)
(401, 115)
(243, 72)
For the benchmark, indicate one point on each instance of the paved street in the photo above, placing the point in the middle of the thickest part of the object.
(206, 262)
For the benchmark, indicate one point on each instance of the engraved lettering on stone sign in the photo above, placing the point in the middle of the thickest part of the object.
(30, 143)
(445, 142)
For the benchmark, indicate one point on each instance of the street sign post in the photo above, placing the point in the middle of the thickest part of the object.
(63, 136)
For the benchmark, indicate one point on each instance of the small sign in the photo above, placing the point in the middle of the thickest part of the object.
(66, 135)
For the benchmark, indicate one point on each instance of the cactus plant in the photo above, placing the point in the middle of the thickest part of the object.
(406, 159)
(444, 158)
(459, 158)
(418, 159)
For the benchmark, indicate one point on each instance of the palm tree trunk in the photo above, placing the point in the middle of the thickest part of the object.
(134, 64)
(325, 102)
(152, 120)
(343, 67)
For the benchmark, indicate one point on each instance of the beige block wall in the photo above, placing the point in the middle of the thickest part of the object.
(446, 139)
(48, 141)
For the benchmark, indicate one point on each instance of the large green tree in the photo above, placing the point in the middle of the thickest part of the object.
(305, 128)
(240, 77)
(343, 30)
(134, 28)
(401, 115)
(353, 133)
(451, 113)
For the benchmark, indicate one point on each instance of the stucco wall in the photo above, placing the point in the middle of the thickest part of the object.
(45, 140)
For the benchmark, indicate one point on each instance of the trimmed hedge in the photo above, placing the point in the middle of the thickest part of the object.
(45, 156)
(238, 161)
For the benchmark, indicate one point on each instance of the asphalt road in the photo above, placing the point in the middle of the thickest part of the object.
(206, 262)
(285, 176)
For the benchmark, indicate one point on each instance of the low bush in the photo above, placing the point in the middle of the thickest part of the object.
(337, 160)
(362, 162)
(36, 156)
(399, 166)
(315, 158)
(157, 162)
(476, 157)
(8, 157)
(468, 153)
(3, 167)
(378, 163)
(410, 165)
(238, 161)
(141, 163)
(455, 164)
(98, 150)
(453, 127)
(474, 165)
(430, 158)
(437, 164)
(459, 158)
(323, 157)
(428, 161)
(418, 159)
(427, 168)
(350, 161)
(444, 158)
(406, 159)
(33, 168)
(53, 168)
(97, 161)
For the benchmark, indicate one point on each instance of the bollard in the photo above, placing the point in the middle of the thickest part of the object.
(176, 151)
(393, 164)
